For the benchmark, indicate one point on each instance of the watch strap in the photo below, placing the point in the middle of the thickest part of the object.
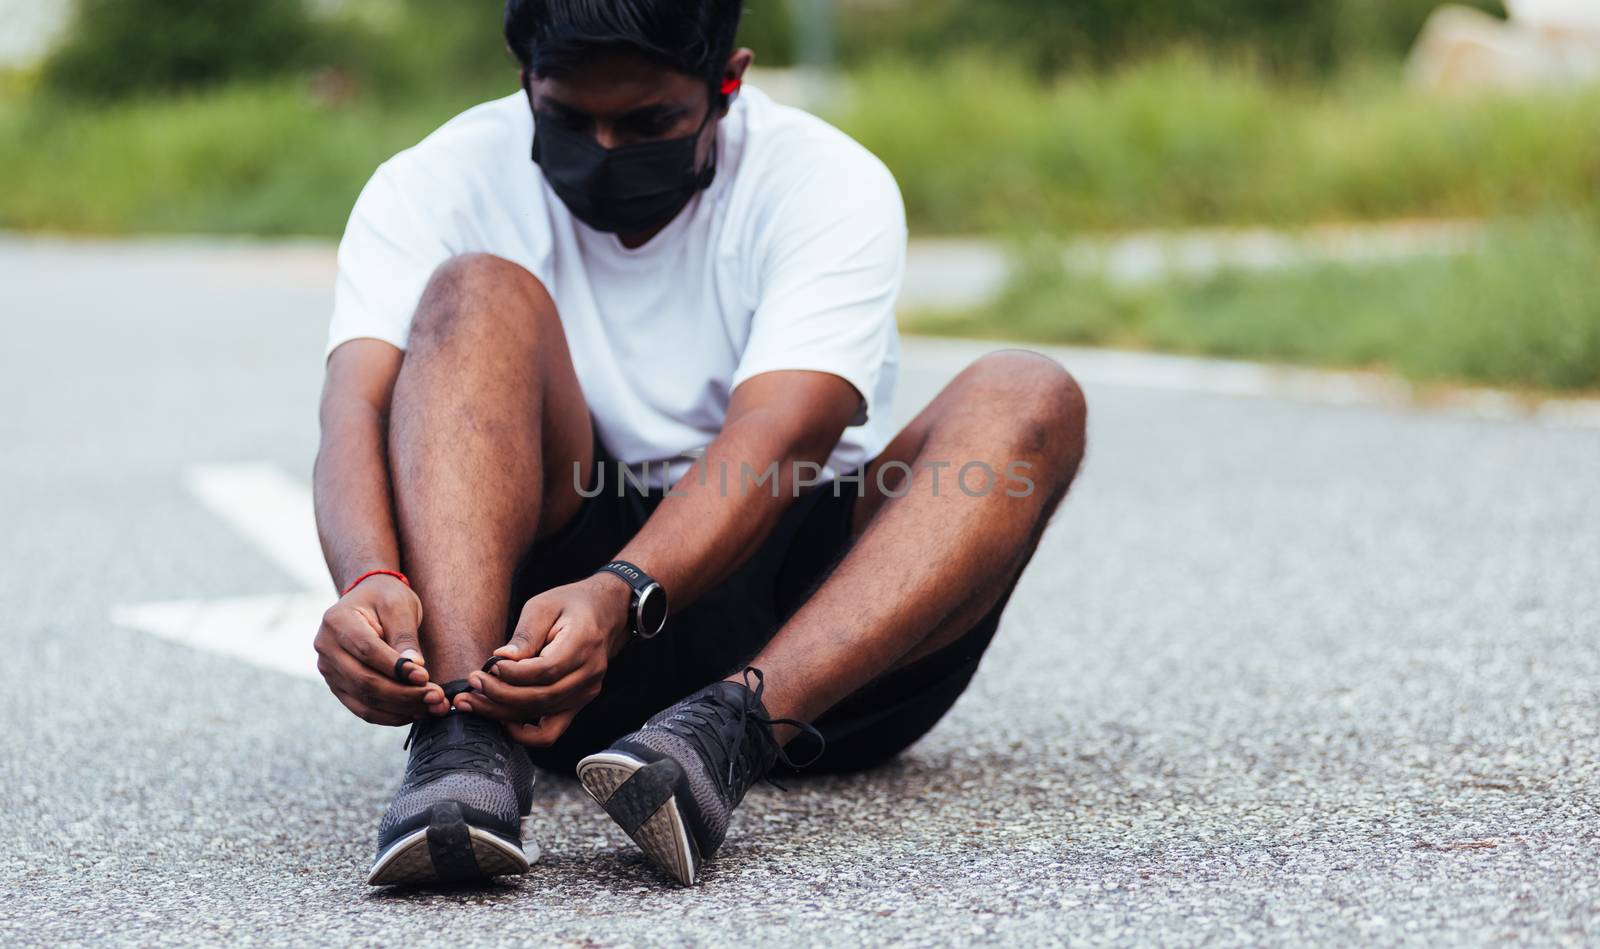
(635, 577)
(640, 582)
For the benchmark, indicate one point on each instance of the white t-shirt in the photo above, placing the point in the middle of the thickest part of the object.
(791, 259)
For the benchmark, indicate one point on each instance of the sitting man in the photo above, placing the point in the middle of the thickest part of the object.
(607, 473)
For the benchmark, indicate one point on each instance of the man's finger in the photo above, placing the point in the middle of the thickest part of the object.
(479, 704)
(525, 673)
(546, 732)
(533, 629)
(565, 694)
(560, 657)
(358, 636)
(380, 691)
(398, 628)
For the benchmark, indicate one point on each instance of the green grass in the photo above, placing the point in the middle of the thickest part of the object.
(1525, 312)
(977, 148)
(1183, 142)
(268, 160)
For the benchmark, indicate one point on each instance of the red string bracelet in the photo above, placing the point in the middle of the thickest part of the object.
(373, 573)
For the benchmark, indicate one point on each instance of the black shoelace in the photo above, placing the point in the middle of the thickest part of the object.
(451, 690)
(700, 719)
(477, 750)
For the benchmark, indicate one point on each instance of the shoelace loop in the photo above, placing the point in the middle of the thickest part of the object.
(475, 749)
(751, 704)
(695, 718)
(451, 690)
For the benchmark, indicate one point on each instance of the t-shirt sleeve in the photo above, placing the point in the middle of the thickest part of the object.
(829, 277)
(386, 257)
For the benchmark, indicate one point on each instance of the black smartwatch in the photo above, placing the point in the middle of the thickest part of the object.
(647, 614)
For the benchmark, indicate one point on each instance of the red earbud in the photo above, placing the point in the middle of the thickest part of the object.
(731, 85)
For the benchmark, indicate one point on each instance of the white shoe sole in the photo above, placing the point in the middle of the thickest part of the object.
(449, 851)
(661, 834)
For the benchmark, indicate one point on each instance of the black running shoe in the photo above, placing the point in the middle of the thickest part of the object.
(673, 784)
(458, 814)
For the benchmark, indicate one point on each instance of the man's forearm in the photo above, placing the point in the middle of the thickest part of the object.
(709, 524)
(350, 487)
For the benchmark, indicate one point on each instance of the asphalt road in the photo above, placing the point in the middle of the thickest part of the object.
(1282, 672)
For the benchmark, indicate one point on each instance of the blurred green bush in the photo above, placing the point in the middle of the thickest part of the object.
(977, 144)
(1051, 36)
(768, 28)
(398, 49)
(123, 48)
(120, 49)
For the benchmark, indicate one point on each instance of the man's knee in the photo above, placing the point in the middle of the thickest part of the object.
(479, 294)
(1041, 402)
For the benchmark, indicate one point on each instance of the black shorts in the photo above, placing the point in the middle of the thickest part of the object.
(721, 631)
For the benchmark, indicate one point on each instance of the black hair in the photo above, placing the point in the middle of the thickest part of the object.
(694, 37)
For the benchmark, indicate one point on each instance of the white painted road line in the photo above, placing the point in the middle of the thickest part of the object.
(272, 632)
(272, 510)
(274, 513)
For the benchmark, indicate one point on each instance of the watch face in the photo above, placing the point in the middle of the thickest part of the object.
(652, 610)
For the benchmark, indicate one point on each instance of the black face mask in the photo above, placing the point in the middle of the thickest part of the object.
(629, 189)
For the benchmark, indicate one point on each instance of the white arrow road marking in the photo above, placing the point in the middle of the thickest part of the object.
(273, 632)
(273, 511)
(270, 508)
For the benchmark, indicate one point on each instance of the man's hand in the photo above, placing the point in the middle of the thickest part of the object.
(362, 638)
(555, 661)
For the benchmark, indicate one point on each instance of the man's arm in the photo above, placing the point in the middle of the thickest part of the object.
(365, 634)
(350, 479)
(702, 532)
(697, 536)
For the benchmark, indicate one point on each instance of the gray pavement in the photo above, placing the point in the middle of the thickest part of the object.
(1281, 673)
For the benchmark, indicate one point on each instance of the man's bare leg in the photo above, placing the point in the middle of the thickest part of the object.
(486, 422)
(930, 561)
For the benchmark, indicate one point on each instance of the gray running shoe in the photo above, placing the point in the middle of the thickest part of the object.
(458, 813)
(673, 784)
